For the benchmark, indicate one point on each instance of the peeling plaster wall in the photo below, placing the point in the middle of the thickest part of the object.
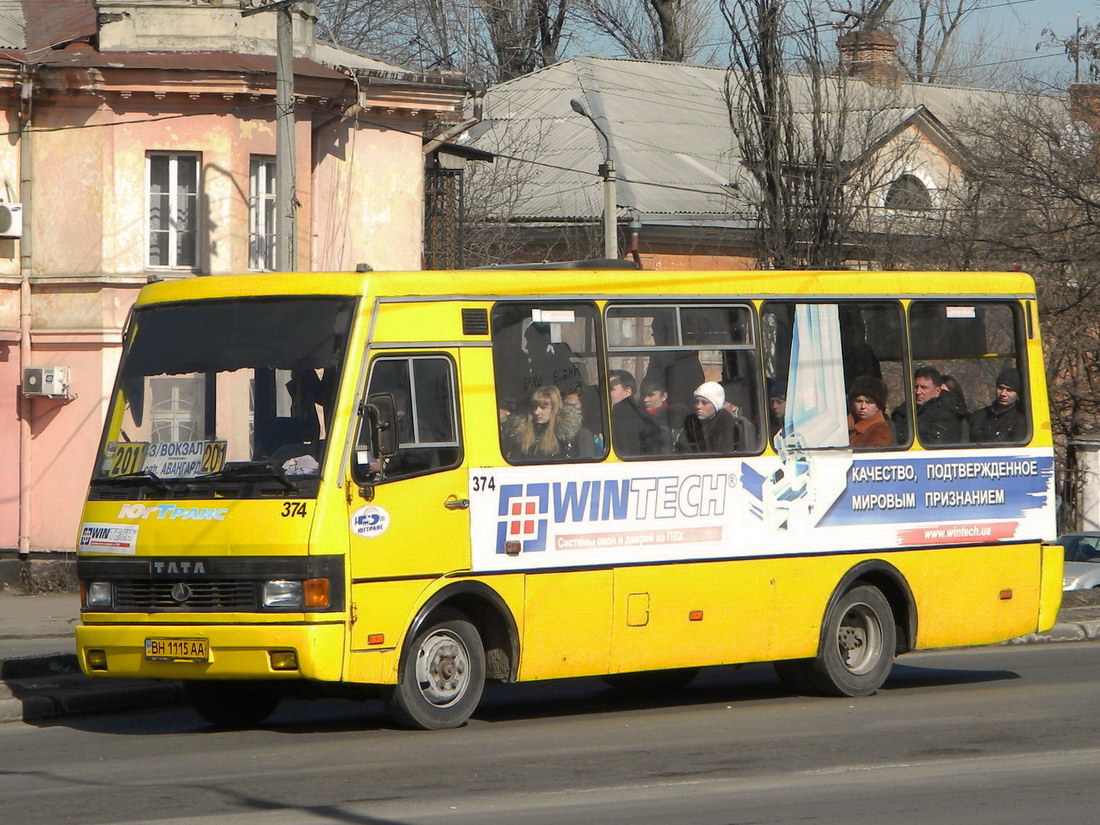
(369, 205)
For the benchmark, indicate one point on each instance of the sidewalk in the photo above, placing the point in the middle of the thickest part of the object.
(39, 677)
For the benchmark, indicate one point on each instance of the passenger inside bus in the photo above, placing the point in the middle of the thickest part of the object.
(867, 426)
(667, 418)
(546, 430)
(940, 413)
(1005, 419)
(711, 428)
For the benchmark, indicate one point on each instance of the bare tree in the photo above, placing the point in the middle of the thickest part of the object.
(1081, 47)
(817, 146)
(673, 30)
(1033, 203)
(489, 40)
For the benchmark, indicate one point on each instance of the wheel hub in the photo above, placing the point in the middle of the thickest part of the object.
(441, 669)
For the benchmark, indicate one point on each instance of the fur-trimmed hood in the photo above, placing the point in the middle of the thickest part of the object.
(567, 426)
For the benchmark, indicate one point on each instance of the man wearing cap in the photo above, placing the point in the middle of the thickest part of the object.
(710, 429)
(1004, 419)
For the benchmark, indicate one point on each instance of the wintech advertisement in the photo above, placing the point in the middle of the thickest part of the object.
(526, 518)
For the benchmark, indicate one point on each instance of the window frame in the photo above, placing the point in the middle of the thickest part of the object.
(456, 418)
(751, 345)
(262, 237)
(173, 232)
(596, 331)
(1022, 364)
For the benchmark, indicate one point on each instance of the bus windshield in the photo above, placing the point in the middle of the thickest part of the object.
(226, 397)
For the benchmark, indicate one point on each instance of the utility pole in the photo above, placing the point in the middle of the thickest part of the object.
(607, 172)
(286, 197)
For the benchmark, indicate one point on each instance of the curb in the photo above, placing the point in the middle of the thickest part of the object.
(1063, 632)
(49, 687)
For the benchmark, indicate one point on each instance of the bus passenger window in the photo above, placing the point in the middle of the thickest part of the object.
(427, 430)
(549, 396)
(683, 380)
(970, 377)
(832, 370)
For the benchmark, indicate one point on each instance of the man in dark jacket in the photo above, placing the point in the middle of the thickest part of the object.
(632, 431)
(1004, 419)
(940, 413)
(711, 429)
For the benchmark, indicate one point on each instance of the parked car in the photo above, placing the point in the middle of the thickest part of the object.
(1082, 560)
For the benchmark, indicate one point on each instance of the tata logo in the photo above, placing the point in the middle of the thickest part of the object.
(175, 568)
(526, 511)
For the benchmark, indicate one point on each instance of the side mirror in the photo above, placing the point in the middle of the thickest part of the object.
(382, 417)
(377, 441)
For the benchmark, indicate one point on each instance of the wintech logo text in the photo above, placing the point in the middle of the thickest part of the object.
(526, 510)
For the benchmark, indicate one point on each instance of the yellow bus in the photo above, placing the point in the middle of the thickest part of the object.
(409, 483)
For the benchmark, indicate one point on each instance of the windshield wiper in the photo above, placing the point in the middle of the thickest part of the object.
(249, 471)
(140, 477)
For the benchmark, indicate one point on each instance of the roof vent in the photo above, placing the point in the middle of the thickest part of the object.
(475, 322)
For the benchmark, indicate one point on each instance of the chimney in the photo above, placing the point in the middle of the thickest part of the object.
(869, 55)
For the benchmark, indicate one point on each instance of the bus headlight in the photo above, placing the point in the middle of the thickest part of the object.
(282, 593)
(97, 594)
(312, 593)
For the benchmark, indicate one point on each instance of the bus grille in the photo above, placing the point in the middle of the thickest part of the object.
(151, 597)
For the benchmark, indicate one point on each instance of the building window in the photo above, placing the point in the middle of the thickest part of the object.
(173, 185)
(908, 193)
(261, 213)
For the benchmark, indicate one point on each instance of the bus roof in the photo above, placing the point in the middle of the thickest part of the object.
(595, 283)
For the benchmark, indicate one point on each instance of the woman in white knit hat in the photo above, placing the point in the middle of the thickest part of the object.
(710, 429)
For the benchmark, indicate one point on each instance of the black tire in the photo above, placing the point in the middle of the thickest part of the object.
(857, 645)
(441, 675)
(652, 681)
(233, 705)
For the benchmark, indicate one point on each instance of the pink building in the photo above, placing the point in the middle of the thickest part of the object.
(140, 143)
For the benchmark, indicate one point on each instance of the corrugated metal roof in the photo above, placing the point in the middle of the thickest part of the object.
(13, 29)
(52, 23)
(674, 151)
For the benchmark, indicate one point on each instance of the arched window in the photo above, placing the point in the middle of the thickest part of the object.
(908, 192)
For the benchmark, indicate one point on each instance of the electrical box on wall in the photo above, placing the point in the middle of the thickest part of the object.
(46, 382)
(11, 220)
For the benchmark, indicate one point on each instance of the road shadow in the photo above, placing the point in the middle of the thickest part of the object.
(907, 677)
(526, 701)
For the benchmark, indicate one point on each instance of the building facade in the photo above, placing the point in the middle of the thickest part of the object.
(141, 145)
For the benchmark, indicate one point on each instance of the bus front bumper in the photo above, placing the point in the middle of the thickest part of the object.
(269, 651)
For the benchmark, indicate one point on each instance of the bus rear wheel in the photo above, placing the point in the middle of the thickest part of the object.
(857, 648)
(232, 705)
(441, 675)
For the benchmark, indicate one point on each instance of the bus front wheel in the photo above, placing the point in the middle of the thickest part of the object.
(857, 648)
(441, 676)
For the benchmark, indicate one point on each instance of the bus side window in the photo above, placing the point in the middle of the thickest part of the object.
(817, 357)
(968, 357)
(548, 379)
(667, 353)
(423, 390)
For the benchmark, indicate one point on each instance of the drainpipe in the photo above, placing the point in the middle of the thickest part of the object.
(26, 92)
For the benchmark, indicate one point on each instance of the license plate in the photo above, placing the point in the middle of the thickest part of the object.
(177, 650)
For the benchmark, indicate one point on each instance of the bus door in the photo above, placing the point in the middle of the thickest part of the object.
(412, 525)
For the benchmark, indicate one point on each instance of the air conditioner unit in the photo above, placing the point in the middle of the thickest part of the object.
(11, 220)
(46, 382)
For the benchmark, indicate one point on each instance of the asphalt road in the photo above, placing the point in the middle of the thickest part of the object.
(999, 734)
